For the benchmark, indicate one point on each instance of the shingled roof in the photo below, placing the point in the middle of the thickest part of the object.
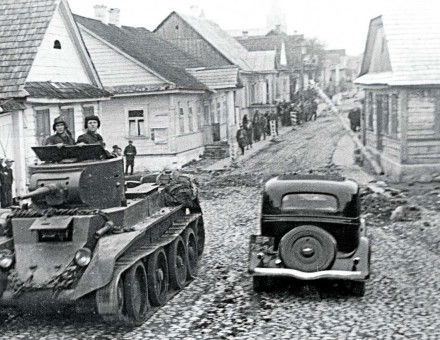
(413, 42)
(218, 78)
(23, 24)
(155, 53)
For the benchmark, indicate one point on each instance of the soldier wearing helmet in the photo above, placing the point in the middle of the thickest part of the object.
(91, 124)
(62, 134)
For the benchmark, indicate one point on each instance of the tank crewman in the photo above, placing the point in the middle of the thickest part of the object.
(130, 153)
(91, 124)
(6, 179)
(62, 134)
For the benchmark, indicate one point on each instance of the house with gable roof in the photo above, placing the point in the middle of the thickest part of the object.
(400, 74)
(206, 41)
(164, 99)
(45, 72)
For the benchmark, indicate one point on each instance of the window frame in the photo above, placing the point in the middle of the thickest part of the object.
(137, 119)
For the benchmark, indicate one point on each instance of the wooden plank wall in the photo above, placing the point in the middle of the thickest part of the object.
(181, 34)
(423, 126)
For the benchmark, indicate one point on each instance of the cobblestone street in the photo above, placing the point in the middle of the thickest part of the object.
(401, 301)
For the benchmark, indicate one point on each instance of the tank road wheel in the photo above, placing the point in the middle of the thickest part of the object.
(191, 246)
(200, 237)
(136, 293)
(178, 267)
(158, 278)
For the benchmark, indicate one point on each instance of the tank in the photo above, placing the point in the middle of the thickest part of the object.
(85, 239)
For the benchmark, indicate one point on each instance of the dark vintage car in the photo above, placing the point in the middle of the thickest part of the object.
(311, 229)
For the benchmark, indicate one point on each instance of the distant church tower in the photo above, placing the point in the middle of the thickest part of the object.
(276, 17)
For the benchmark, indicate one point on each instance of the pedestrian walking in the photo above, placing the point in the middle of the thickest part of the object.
(6, 180)
(263, 124)
(130, 153)
(250, 134)
(257, 127)
(241, 138)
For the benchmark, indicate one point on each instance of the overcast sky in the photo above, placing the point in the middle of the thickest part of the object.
(337, 23)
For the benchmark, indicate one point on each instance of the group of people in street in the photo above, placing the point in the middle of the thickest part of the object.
(254, 130)
(92, 123)
(301, 109)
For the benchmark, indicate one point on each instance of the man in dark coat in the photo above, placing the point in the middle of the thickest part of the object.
(129, 153)
(91, 124)
(241, 138)
(6, 179)
(62, 134)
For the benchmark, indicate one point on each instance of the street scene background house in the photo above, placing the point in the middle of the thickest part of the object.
(45, 72)
(401, 77)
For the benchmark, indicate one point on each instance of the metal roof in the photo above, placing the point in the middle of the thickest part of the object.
(262, 60)
(58, 90)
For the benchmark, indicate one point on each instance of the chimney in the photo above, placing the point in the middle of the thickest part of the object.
(101, 13)
(245, 34)
(114, 16)
(278, 28)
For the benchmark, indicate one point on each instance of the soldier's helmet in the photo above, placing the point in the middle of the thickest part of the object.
(89, 118)
(59, 120)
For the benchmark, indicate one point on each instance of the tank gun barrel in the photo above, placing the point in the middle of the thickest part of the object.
(42, 191)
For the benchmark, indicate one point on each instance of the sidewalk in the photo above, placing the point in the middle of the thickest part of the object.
(225, 163)
(344, 157)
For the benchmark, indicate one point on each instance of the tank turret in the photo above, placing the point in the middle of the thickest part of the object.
(75, 176)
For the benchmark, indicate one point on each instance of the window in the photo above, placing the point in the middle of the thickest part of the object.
(218, 112)
(253, 90)
(136, 123)
(57, 45)
(181, 121)
(386, 113)
(159, 135)
(190, 119)
(88, 111)
(319, 202)
(199, 118)
(206, 114)
(69, 117)
(42, 128)
(394, 115)
(225, 111)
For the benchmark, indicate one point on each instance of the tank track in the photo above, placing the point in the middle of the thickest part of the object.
(106, 297)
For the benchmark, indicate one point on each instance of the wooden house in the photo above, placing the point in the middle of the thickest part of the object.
(206, 41)
(45, 71)
(400, 74)
(156, 103)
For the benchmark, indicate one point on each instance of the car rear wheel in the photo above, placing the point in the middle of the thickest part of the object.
(308, 248)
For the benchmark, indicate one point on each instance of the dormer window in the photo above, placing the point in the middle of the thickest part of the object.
(57, 45)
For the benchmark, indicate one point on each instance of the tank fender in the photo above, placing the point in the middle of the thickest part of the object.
(100, 270)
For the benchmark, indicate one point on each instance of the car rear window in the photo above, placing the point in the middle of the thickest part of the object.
(319, 202)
